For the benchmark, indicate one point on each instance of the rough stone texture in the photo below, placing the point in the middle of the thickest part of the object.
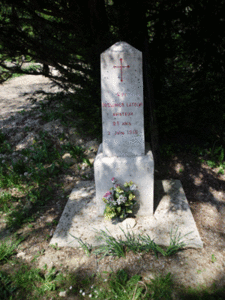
(129, 223)
(122, 153)
(122, 101)
(139, 169)
(80, 220)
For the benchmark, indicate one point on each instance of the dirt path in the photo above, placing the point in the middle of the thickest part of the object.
(204, 188)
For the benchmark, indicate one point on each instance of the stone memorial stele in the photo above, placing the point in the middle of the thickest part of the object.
(123, 153)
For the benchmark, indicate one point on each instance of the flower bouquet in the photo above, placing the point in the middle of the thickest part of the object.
(119, 201)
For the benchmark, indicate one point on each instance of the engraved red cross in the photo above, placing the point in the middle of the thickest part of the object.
(121, 68)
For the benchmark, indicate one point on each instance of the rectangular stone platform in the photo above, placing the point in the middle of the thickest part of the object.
(80, 218)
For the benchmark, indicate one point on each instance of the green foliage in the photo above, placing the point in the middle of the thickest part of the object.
(161, 287)
(2, 137)
(213, 293)
(4, 146)
(19, 167)
(216, 158)
(187, 76)
(111, 246)
(33, 280)
(120, 201)
(76, 152)
(85, 246)
(21, 214)
(213, 258)
(6, 286)
(120, 285)
(56, 247)
(7, 176)
(7, 248)
(6, 200)
(176, 243)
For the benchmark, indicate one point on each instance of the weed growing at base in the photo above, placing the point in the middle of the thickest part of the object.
(7, 248)
(135, 243)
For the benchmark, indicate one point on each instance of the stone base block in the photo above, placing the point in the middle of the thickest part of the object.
(172, 217)
(139, 169)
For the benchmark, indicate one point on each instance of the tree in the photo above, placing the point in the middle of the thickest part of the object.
(183, 53)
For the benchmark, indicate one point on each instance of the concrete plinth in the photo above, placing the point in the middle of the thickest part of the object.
(139, 169)
(80, 220)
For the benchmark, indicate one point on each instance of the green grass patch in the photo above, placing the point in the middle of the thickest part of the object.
(5, 147)
(27, 207)
(111, 246)
(7, 248)
(34, 283)
(202, 293)
(6, 200)
(6, 286)
(2, 137)
(121, 286)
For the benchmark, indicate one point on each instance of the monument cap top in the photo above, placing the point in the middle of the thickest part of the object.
(122, 47)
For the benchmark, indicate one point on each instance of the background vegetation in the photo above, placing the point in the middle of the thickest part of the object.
(182, 44)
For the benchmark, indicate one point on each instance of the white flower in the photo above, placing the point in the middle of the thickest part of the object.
(90, 295)
(121, 199)
(105, 279)
(81, 291)
(133, 187)
(71, 287)
(83, 294)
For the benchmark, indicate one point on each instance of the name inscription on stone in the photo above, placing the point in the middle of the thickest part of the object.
(122, 101)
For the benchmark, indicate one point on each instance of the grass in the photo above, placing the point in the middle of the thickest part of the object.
(112, 246)
(7, 249)
(32, 171)
(34, 283)
(212, 155)
(30, 283)
(121, 286)
(202, 293)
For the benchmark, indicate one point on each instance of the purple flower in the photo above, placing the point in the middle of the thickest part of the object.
(107, 195)
(113, 180)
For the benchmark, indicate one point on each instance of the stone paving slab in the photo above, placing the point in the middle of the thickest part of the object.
(172, 212)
